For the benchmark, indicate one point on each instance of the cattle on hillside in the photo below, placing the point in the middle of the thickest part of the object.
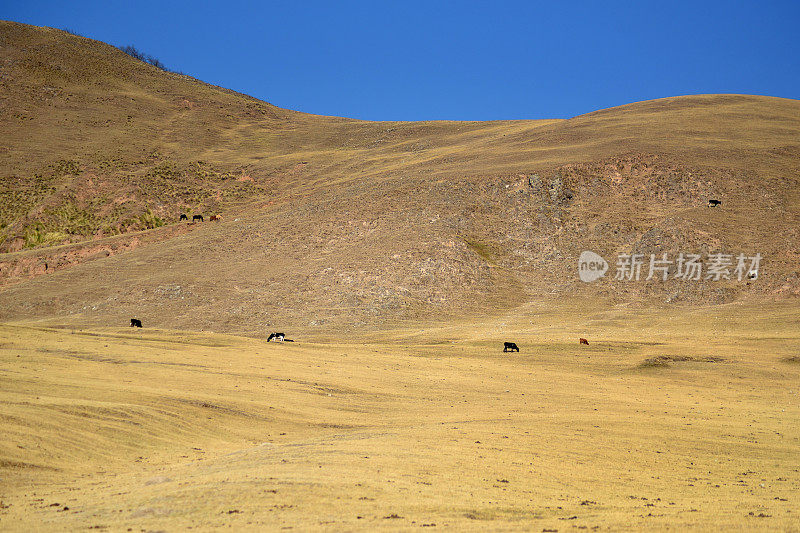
(510, 347)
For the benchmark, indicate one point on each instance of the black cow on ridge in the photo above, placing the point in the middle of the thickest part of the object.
(714, 203)
(510, 347)
(136, 322)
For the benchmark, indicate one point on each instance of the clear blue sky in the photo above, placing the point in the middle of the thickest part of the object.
(417, 60)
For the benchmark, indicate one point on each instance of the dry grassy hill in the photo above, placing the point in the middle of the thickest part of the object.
(331, 221)
(399, 256)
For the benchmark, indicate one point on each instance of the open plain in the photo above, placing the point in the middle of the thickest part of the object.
(694, 421)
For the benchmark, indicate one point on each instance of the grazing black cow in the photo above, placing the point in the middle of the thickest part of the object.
(510, 347)
(183, 217)
(195, 218)
(278, 337)
(714, 203)
(136, 322)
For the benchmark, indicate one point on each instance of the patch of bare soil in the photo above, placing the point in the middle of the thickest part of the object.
(661, 361)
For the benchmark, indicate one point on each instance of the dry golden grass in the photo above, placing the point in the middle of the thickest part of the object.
(400, 256)
(402, 428)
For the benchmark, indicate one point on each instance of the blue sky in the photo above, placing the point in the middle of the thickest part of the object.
(466, 60)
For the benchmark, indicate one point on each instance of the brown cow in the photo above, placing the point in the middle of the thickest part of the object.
(216, 217)
(583, 341)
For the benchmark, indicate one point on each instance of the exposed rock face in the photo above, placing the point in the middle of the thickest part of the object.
(535, 183)
(556, 189)
(19, 266)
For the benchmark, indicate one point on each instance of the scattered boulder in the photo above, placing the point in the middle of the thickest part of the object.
(535, 182)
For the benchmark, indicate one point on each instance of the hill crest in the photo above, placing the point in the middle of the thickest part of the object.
(347, 221)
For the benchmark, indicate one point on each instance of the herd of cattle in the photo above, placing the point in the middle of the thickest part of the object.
(199, 218)
(281, 337)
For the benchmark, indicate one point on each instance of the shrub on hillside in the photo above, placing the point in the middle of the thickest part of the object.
(141, 56)
(37, 235)
(70, 218)
(149, 220)
(72, 32)
(66, 167)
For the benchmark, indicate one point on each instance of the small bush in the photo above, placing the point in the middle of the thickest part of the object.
(66, 167)
(54, 237)
(72, 32)
(167, 171)
(72, 219)
(480, 248)
(141, 56)
(34, 236)
(150, 220)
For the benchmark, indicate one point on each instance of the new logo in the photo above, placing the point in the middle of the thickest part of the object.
(591, 266)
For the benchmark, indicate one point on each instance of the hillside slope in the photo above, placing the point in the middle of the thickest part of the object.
(331, 221)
